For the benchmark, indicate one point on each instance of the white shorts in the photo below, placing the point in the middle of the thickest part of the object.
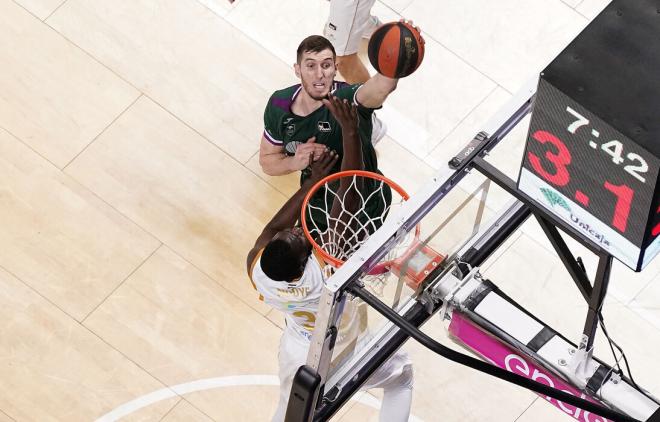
(346, 23)
(293, 354)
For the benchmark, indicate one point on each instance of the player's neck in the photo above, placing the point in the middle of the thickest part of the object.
(304, 104)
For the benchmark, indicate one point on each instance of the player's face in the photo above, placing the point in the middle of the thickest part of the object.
(317, 71)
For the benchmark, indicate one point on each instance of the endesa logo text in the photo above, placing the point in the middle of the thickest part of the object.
(518, 365)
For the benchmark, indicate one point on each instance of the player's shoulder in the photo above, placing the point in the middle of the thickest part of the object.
(283, 98)
(287, 92)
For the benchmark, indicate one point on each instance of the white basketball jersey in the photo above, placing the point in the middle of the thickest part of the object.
(298, 300)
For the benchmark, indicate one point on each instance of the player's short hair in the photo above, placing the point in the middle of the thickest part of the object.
(279, 262)
(314, 44)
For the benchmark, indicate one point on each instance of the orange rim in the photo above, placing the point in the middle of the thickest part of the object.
(347, 173)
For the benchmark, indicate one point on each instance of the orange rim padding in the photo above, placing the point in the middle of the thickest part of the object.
(336, 262)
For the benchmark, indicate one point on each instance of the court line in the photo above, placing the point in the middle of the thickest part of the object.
(209, 384)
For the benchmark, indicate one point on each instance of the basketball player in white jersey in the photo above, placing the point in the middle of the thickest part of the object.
(289, 277)
(348, 23)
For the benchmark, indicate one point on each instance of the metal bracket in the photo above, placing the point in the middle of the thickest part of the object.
(579, 363)
(470, 150)
(448, 298)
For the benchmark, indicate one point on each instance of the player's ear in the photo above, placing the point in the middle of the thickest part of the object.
(296, 69)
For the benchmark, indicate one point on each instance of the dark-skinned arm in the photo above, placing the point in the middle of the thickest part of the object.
(346, 114)
(287, 216)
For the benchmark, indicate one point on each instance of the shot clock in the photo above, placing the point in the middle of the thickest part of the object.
(592, 149)
(592, 176)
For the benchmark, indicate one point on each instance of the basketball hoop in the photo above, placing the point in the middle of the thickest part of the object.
(337, 238)
(337, 234)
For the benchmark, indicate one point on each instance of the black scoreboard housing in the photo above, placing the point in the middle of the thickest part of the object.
(610, 76)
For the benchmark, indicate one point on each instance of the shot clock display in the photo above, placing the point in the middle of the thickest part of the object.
(592, 150)
(593, 177)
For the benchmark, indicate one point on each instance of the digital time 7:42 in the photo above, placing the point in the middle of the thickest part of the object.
(613, 148)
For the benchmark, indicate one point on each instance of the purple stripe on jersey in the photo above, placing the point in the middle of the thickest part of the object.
(285, 103)
(282, 103)
(271, 139)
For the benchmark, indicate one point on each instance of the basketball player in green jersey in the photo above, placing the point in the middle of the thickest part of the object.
(297, 125)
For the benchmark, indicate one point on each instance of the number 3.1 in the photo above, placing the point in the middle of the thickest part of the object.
(560, 160)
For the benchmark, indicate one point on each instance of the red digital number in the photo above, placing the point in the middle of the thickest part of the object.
(656, 229)
(559, 176)
(622, 208)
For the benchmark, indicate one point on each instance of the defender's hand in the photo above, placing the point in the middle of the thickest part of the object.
(343, 111)
(323, 166)
(301, 159)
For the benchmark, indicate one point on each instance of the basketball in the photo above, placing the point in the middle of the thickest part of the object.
(396, 49)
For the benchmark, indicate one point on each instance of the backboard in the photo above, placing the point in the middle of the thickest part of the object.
(419, 255)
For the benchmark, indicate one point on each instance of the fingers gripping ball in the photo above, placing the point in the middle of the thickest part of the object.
(396, 49)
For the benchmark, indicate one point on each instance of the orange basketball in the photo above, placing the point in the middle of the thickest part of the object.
(396, 49)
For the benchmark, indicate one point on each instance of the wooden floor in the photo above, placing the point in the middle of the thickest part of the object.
(130, 193)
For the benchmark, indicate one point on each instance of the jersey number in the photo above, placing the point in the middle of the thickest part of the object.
(310, 319)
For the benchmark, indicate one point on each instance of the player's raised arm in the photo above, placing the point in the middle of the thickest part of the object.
(375, 91)
(343, 210)
(346, 116)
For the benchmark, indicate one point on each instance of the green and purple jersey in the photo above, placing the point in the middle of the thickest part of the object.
(284, 128)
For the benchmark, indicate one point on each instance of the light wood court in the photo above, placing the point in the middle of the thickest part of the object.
(130, 194)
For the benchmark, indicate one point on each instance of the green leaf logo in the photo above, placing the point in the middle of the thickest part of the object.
(554, 198)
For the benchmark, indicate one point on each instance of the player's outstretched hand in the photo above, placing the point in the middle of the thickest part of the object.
(343, 111)
(301, 159)
(419, 31)
(323, 166)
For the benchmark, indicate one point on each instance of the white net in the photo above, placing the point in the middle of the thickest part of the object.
(340, 222)
(341, 234)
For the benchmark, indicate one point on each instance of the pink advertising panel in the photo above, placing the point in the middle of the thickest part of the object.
(507, 358)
